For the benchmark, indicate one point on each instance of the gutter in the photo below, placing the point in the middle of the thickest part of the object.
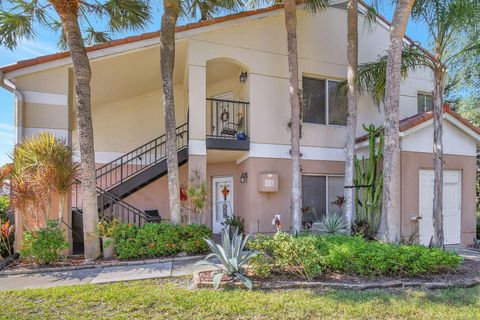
(19, 102)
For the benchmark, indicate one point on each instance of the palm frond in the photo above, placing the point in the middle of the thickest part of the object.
(94, 37)
(15, 27)
(371, 76)
(315, 6)
(127, 14)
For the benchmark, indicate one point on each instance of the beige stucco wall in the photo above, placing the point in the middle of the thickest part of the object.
(411, 163)
(260, 45)
(124, 125)
(155, 195)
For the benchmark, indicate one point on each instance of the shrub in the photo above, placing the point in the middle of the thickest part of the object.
(107, 227)
(355, 255)
(234, 223)
(156, 240)
(292, 254)
(307, 255)
(45, 245)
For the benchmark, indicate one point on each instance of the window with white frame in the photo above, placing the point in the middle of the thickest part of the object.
(424, 102)
(323, 103)
(320, 194)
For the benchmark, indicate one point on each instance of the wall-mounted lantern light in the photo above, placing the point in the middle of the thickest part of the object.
(243, 177)
(243, 77)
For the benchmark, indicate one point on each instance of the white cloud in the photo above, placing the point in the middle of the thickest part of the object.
(6, 127)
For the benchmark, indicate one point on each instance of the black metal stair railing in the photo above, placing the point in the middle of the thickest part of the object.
(135, 161)
(110, 205)
(119, 170)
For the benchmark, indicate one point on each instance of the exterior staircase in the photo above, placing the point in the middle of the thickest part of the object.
(125, 175)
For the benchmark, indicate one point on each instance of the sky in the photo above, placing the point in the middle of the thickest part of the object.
(45, 43)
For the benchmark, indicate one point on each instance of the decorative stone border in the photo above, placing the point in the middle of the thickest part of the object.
(465, 283)
(99, 265)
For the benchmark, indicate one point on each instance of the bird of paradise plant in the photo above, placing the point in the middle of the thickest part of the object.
(6, 232)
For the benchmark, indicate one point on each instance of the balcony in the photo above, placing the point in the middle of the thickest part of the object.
(227, 125)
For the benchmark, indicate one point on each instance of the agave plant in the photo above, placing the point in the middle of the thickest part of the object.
(332, 224)
(232, 255)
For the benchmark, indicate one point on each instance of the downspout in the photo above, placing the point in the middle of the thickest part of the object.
(18, 96)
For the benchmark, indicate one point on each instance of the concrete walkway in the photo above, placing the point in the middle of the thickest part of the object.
(98, 275)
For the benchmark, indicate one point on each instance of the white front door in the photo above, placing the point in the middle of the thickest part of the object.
(222, 196)
(452, 199)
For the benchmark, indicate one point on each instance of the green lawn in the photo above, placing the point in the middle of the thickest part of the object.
(169, 299)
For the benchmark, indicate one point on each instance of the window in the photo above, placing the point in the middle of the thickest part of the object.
(424, 102)
(319, 193)
(322, 103)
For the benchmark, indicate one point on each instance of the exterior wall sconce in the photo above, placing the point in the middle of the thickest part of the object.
(243, 177)
(243, 77)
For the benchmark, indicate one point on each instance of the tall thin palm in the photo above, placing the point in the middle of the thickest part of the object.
(19, 20)
(290, 12)
(453, 20)
(391, 159)
(352, 102)
(172, 10)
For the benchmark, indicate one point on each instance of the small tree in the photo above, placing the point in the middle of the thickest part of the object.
(196, 197)
(43, 165)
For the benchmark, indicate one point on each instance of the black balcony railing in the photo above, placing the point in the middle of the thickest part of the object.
(228, 119)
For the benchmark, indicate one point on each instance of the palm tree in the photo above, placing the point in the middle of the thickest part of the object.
(391, 159)
(352, 101)
(448, 21)
(290, 12)
(172, 9)
(18, 20)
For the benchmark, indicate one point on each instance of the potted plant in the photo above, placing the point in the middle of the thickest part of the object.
(106, 230)
(234, 223)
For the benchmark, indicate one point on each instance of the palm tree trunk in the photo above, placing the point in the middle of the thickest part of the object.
(82, 73)
(352, 98)
(438, 236)
(61, 206)
(167, 61)
(290, 9)
(391, 218)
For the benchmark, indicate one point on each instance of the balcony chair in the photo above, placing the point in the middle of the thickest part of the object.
(231, 128)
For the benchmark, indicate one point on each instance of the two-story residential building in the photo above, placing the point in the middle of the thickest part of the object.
(232, 111)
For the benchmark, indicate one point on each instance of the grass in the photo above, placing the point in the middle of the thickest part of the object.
(169, 299)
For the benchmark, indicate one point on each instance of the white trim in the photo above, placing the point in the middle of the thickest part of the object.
(282, 151)
(45, 98)
(18, 134)
(446, 116)
(197, 147)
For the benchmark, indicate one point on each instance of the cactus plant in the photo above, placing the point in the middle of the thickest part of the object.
(369, 182)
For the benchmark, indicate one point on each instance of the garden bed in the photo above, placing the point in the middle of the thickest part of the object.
(468, 275)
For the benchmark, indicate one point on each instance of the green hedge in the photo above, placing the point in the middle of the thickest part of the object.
(157, 240)
(350, 255)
